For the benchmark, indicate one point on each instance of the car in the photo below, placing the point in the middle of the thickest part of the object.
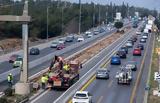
(131, 40)
(144, 36)
(131, 65)
(121, 54)
(60, 46)
(134, 38)
(138, 32)
(18, 62)
(82, 97)
(62, 40)
(142, 40)
(13, 57)
(80, 39)
(124, 48)
(137, 52)
(115, 60)
(141, 46)
(54, 44)
(102, 73)
(96, 32)
(89, 35)
(34, 51)
(69, 38)
(129, 44)
(87, 32)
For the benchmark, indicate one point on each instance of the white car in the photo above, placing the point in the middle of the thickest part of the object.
(129, 44)
(82, 97)
(87, 32)
(90, 35)
(62, 41)
(156, 76)
(54, 44)
(138, 33)
(79, 39)
(144, 36)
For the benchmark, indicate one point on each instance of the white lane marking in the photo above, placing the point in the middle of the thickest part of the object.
(100, 99)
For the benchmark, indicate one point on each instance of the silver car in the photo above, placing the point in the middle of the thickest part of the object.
(102, 74)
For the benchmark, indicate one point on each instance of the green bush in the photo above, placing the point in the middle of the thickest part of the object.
(3, 100)
(8, 92)
(118, 25)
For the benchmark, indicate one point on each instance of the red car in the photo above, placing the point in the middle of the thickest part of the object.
(137, 52)
(60, 46)
(13, 58)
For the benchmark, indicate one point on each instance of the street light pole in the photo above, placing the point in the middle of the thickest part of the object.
(99, 14)
(47, 23)
(93, 14)
(79, 17)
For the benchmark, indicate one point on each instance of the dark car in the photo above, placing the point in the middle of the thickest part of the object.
(134, 38)
(124, 48)
(13, 58)
(121, 54)
(140, 46)
(131, 65)
(102, 74)
(34, 51)
(131, 40)
(115, 60)
(69, 38)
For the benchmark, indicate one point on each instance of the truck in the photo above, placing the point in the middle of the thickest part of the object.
(60, 79)
(124, 76)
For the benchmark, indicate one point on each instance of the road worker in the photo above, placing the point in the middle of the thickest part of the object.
(66, 67)
(44, 80)
(10, 80)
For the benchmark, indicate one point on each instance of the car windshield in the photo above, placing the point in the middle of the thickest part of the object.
(81, 95)
(19, 59)
(55, 42)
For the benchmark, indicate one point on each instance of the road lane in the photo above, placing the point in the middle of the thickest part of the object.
(109, 89)
(82, 72)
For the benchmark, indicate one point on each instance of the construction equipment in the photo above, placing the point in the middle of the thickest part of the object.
(124, 76)
(62, 79)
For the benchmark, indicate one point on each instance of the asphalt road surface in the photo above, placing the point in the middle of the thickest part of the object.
(108, 91)
(50, 96)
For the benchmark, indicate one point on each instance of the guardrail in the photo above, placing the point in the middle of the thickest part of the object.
(70, 92)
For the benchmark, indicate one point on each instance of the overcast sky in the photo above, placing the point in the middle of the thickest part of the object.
(151, 4)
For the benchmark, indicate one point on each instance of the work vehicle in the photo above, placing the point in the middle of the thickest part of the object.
(102, 73)
(18, 62)
(129, 44)
(140, 46)
(121, 54)
(124, 76)
(54, 44)
(124, 48)
(62, 79)
(131, 65)
(62, 40)
(34, 51)
(142, 40)
(82, 97)
(60, 46)
(115, 60)
(13, 57)
(80, 39)
(69, 38)
(137, 52)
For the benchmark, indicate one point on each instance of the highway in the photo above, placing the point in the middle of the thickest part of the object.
(108, 91)
(50, 96)
(7, 66)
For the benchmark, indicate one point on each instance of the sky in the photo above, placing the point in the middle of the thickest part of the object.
(150, 4)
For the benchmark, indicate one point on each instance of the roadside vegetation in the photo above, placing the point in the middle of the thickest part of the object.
(70, 11)
(154, 84)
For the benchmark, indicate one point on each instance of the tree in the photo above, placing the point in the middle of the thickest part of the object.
(118, 25)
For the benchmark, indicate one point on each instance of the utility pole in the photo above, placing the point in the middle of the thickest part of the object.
(47, 23)
(99, 17)
(23, 86)
(79, 17)
(93, 14)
